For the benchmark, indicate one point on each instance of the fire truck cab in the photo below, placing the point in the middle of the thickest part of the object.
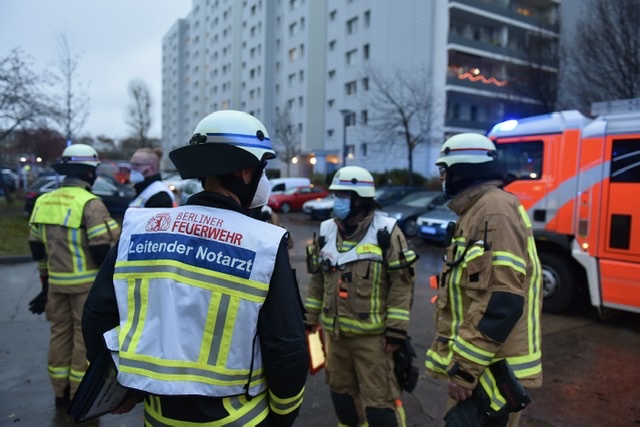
(579, 180)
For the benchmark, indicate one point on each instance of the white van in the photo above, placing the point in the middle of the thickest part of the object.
(280, 185)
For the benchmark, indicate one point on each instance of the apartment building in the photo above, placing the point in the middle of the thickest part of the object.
(471, 62)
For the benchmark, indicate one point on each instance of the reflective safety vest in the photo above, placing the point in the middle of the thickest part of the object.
(190, 282)
(154, 188)
(65, 207)
(365, 249)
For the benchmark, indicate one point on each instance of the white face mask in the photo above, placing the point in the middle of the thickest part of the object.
(135, 177)
(262, 192)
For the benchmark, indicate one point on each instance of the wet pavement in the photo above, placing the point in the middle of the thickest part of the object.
(591, 367)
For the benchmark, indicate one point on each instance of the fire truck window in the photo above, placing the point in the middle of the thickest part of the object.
(522, 160)
(625, 160)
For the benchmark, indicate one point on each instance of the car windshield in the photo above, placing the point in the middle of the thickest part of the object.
(293, 190)
(417, 200)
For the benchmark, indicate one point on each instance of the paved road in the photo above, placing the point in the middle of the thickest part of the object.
(591, 367)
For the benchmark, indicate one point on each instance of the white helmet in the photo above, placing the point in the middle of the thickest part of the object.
(223, 142)
(354, 178)
(77, 159)
(467, 148)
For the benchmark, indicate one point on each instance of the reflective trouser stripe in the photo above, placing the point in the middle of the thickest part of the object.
(285, 406)
(242, 412)
(59, 372)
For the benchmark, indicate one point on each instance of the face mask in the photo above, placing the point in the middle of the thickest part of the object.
(341, 207)
(262, 192)
(135, 177)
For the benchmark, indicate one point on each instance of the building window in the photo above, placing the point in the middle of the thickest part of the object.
(292, 54)
(350, 88)
(331, 103)
(351, 57)
(364, 117)
(332, 15)
(332, 74)
(292, 79)
(365, 83)
(352, 25)
(332, 45)
(367, 18)
(330, 133)
(292, 29)
(363, 149)
(301, 76)
(365, 51)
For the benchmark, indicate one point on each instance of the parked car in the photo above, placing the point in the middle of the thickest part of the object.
(115, 196)
(9, 178)
(432, 225)
(407, 210)
(280, 185)
(320, 208)
(390, 194)
(294, 198)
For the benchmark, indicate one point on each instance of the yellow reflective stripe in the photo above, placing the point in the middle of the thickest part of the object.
(375, 294)
(219, 329)
(437, 363)
(455, 294)
(242, 412)
(313, 304)
(525, 216)
(283, 406)
(76, 375)
(398, 314)
(35, 230)
(74, 243)
(100, 229)
(58, 278)
(488, 383)
(185, 370)
(472, 352)
(214, 281)
(527, 365)
(509, 260)
(369, 248)
(59, 372)
(352, 326)
(137, 296)
(347, 245)
(473, 253)
(534, 295)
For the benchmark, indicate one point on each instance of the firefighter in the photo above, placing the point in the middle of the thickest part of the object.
(361, 293)
(145, 176)
(209, 316)
(71, 233)
(489, 294)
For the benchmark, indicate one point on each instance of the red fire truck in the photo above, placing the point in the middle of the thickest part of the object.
(579, 180)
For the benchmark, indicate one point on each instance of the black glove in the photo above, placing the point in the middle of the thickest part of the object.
(37, 305)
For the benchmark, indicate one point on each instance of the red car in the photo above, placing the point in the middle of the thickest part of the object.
(294, 198)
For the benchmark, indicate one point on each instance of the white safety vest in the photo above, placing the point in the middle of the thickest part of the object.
(366, 249)
(154, 188)
(190, 282)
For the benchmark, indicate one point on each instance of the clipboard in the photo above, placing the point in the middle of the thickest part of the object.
(317, 351)
(99, 392)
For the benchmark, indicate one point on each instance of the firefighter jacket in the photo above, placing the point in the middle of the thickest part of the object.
(489, 293)
(153, 193)
(357, 287)
(198, 294)
(68, 222)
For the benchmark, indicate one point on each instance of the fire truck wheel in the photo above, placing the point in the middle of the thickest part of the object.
(558, 286)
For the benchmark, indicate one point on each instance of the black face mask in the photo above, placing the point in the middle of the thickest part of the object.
(245, 192)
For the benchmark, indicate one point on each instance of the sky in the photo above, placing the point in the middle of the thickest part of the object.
(117, 41)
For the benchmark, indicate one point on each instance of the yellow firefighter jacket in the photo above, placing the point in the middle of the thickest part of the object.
(489, 294)
(356, 287)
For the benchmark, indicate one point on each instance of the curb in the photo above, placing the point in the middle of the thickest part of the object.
(15, 259)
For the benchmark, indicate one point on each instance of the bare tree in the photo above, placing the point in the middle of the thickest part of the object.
(287, 142)
(602, 60)
(139, 111)
(73, 101)
(22, 94)
(401, 105)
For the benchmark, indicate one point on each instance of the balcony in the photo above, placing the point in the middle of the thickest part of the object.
(530, 16)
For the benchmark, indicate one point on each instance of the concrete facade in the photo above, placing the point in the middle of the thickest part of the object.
(478, 62)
